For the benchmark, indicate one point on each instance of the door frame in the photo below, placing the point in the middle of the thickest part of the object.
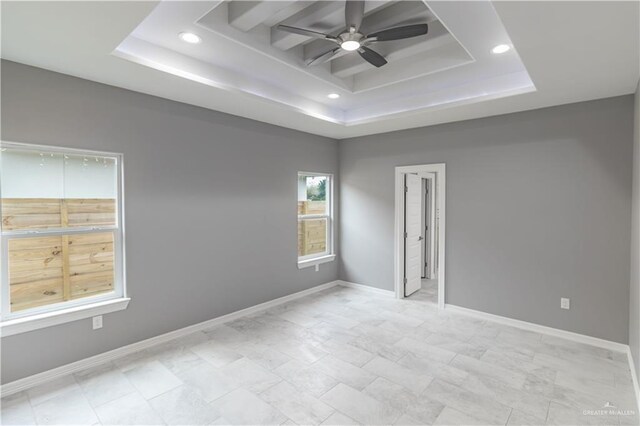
(399, 255)
(428, 210)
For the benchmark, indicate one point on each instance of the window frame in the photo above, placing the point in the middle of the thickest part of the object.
(71, 310)
(329, 254)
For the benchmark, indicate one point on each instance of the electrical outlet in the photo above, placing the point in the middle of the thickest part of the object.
(565, 303)
(317, 267)
(97, 322)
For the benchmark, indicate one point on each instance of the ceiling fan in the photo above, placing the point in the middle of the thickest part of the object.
(352, 39)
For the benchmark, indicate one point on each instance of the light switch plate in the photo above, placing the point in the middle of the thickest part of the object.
(565, 303)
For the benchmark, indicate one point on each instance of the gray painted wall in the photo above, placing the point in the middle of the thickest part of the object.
(538, 208)
(210, 207)
(634, 290)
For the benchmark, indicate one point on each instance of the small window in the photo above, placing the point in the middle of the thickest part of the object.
(315, 227)
(61, 233)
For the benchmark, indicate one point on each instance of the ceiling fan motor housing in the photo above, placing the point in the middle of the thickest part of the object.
(350, 41)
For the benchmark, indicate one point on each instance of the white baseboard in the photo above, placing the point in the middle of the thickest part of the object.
(634, 376)
(46, 376)
(569, 335)
(367, 288)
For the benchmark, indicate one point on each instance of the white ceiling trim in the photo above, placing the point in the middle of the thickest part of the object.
(161, 59)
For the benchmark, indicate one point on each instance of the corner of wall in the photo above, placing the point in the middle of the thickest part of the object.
(634, 285)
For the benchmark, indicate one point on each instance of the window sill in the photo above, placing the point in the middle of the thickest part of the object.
(35, 322)
(316, 261)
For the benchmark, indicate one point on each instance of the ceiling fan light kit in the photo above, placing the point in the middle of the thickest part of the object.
(353, 40)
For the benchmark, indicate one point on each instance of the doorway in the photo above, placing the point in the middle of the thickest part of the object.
(419, 233)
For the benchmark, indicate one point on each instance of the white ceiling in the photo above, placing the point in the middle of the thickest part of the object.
(570, 51)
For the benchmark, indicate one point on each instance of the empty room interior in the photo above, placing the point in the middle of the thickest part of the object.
(304, 212)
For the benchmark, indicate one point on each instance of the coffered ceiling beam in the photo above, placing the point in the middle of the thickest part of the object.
(246, 15)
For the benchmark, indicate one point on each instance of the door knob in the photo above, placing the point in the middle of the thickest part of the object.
(420, 238)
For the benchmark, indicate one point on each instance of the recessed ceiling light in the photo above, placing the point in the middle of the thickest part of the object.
(501, 48)
(350, 45)
(190, 38)
(333, 96)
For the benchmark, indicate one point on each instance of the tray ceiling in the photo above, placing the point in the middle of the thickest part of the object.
(107, 41)
(242, 50)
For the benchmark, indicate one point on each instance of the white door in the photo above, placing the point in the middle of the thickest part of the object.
(431, 226)
(413, 234)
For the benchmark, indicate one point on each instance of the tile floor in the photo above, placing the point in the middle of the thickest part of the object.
(339, 357)
(428, 292)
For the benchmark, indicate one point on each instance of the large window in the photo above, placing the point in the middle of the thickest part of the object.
(315, 225)
(61, 232)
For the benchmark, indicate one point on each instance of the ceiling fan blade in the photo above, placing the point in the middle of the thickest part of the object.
(305, 32)
(320, 59)
(399, 33)
(353, 13)
(371, 56)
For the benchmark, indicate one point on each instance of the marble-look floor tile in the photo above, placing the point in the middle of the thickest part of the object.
(400, 319)
(515, 361)
(52, 389)
(339, 419)
(519, 418)
(563, 415)
(578, 399)
(457, 346)
(103, 384)
(377, 347)
(584, 384)
(474, 366)
(251, 376)
(597, 371)
(406, 420)
(344, 372)
(417, 407)
(216, 353)
(531, 404)
(131, 409)
(437, 370)
(306, 378)
(184, 406)
(410, 379)
(539, 385)
(336, 319)
(226, 335)
(345, 356)
(361, 407)
(152, 379)
(450, 416)
(469, 403)
(177, 356)
(425, 350)
(629, 418)
(299, 318)
(208, 382)
(328, 331)
(263, 355)
(377, 334)
(300, 407)
(346, 352)
(242, 407)
(301, 351)
(68, 408)
(553, 345)
(16, 410)
(133, 360)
